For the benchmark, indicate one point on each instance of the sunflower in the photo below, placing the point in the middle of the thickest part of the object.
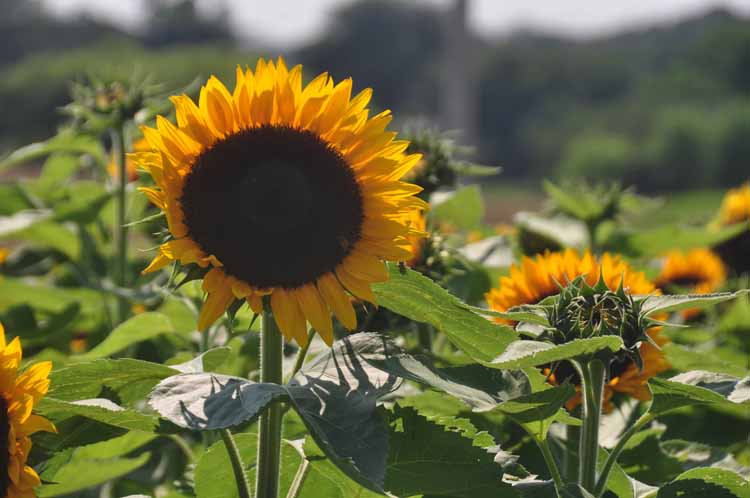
(538, 278)
(735, 207)
(699, 270)
(282, 190)
(18, 395)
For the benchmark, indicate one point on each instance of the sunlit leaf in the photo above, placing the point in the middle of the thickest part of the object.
(419, 298)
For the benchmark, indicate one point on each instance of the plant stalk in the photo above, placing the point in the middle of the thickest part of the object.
(120, 230)
(299, 479)
(549, 459)
(615, 453)
(237, 467)
(424, 336)
(592, 384)
(269, 437)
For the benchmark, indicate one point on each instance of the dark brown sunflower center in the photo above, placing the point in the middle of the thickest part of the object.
(685, 282)
(4, 448)
(277, 205)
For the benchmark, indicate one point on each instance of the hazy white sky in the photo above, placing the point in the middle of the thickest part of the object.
(291, 22)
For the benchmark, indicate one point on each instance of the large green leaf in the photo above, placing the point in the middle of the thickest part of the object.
(656, 241)
(479, 387)
(696, 388)
(693, 455)
(672, 303)
(128, 379)
(428, 459)
(537, 411)
(463, 209)
(65, 141)
(207, 401)
(137, 329)
(539, 232)
(102, 410)
(48, 234)
(82, 473)
(326, 480)
(417, 297)
(705, 483)
(525, 353)
(14, 291)
(336, 395)
(214, 477)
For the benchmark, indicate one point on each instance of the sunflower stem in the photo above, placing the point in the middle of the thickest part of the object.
(238, 468)
(269, 438)
(120, 230)
(615, 454)
(549, 459)
(570, 462)
(592, 374)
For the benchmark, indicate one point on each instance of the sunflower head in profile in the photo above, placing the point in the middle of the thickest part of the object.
(19, 392)
(541, 277)
(282, 190)
(735, 208)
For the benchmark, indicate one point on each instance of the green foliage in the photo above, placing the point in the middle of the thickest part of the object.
(429, 459)
(418, 298)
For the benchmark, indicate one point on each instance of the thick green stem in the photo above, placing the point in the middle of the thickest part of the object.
(570, 460)
(615, 454)
(269, 438)
(592, 384)
(120, 231)
(239, 470)
(549, 459)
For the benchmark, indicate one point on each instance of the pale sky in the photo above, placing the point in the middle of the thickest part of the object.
(288, 23)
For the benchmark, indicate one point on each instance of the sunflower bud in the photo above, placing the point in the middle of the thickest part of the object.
(583, 312)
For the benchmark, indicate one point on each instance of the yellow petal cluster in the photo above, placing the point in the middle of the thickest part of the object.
(19, 393)
(537, 278)
(272, 94)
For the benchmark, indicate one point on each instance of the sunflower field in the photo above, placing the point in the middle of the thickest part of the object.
(256, 287)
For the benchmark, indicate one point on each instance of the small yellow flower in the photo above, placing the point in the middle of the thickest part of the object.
(735, 207)
(538, 278)
(282, 190)
(4, 253)
(18, 395)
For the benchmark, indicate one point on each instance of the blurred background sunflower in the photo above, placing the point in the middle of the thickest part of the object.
(541, 277)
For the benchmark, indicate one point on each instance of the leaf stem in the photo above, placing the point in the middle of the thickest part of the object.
(549, 459)
(269, 436)
(120, 230)
(615, 453)
(303, 353)
(299, 479)
(237, 467)
(424, 336)
(592, 374)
